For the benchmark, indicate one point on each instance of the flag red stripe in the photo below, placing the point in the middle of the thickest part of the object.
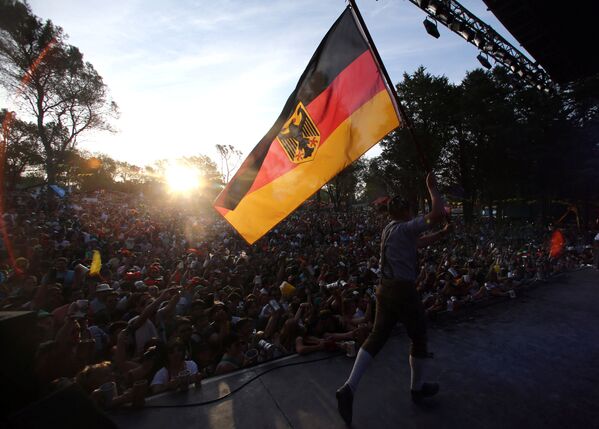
(353, 87)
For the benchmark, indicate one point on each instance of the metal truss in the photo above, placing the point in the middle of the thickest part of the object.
(464, 23)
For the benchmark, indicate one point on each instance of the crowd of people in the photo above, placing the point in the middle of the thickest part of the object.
(179, 296)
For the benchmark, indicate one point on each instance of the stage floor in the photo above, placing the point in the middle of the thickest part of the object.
(529, 362)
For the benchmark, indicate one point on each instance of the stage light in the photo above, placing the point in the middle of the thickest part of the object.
(444, 16)
(484, 61)
(517, 70)
(479, 41)
(489, 47)
(434, 6)
(466, 33)
(423, 3)
(462, 30)
(501, 56)
(440, 11)
(431, 28)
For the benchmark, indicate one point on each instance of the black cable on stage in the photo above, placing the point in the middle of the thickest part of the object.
(237, 389)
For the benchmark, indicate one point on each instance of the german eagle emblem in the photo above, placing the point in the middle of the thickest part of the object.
(299, 137)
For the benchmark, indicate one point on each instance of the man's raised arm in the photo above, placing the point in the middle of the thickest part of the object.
(437, 213)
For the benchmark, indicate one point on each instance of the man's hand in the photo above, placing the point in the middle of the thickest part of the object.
(437, 213)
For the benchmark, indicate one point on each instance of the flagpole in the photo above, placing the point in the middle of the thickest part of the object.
(401, 112)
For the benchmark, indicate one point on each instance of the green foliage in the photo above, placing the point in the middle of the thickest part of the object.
(493, 139)
(53, 86)
(23, 154)
(348, 186)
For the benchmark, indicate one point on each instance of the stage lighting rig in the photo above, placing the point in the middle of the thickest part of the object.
(464, 23)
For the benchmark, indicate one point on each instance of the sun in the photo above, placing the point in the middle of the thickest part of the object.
(181, 178)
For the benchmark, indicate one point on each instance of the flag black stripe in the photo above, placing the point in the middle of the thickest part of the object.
(340, 47)
(289, 147)
(310, 126)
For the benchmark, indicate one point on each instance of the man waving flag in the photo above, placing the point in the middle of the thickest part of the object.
(340, 108)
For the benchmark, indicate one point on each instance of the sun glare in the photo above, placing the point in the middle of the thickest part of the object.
(182, 178)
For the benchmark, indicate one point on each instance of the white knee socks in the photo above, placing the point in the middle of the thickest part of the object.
(361, 363)
(417, 365)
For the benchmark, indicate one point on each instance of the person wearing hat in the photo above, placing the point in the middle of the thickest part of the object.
(396, 296)
(99, 302)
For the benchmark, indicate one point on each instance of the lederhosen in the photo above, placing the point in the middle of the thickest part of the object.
(397, 301)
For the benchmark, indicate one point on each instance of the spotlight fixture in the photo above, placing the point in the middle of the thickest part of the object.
(465, 32)
(502, 56)
(433, 5)
(489, 44)
(483, 60)
(440, 11)
(431, 28)
(479, 41)
(490, 47)
(462, 30)
(444, 16)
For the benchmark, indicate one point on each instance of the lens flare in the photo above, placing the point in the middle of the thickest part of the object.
(181, 178)
(6, 124)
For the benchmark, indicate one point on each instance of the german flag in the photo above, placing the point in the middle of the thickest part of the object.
(340, 108)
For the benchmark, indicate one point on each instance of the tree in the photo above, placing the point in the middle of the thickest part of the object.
(375, 182)
(496, 139)
(431, 104)
(485, 130)
(87, 171)
(347, 186)
(22, 151)
(51, 83)
(229, 159)
(126, 172)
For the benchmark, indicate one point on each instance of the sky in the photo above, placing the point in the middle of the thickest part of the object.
(191, 74)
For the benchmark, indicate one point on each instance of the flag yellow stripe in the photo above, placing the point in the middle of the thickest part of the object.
(262, 209)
